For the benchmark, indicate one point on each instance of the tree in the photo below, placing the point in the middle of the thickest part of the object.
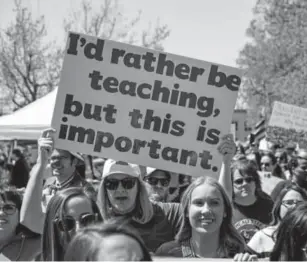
(275, 59)
(108, 23)
(30, 66)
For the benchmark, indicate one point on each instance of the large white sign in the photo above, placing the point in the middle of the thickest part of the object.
(143, 106)
(289, 116)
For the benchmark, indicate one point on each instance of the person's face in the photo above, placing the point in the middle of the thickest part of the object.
(122, 191)
(158, 182)
(289, 201)
(266, 164)
(78, 212)
(302, 159)
(206, 210)
(9, 218)
(119, 247)
(61, 163)
(244, 186)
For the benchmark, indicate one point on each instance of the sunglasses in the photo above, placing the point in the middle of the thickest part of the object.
(8, 209)
(291, 202)
(265, 164)
(127, 183)
(240, 181)
(69, 223)
(154, 181)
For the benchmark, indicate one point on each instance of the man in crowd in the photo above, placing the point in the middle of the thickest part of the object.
(20, 170)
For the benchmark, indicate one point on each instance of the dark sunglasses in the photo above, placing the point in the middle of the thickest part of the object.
(8, 209)
(240, 181)
(265, 164)
(291, 202)
(69, 223)
(127, 183)
(154, 181)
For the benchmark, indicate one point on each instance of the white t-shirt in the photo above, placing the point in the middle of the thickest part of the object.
(263, 242)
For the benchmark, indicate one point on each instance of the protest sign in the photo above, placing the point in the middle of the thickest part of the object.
(287, 124)
(143, 106)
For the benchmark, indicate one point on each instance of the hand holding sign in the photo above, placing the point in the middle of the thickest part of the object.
(45, 145)
(227, 148)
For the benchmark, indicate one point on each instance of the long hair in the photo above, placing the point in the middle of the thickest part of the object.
(278, 202)
(143, 211)
(89, 242)
(230, 241)
(52, 242)
(277, 171)
(291, 236)
(247, 168)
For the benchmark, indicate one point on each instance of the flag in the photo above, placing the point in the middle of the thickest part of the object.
(259, 131)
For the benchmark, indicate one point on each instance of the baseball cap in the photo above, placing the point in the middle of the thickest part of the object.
(120, 167)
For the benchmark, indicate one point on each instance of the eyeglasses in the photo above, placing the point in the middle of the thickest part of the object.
(291, 202)
(240, 181)
(127, 183)
(265, 164)
(8, 209)
(69, 223)
(154, 181)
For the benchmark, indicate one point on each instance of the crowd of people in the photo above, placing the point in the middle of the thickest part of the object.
(138, 213)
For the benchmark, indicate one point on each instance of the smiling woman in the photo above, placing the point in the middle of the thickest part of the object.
(207, 229)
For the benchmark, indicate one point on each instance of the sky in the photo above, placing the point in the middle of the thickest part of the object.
(210, 30)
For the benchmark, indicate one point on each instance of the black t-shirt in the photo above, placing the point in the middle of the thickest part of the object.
(249, 219)
(25, 246)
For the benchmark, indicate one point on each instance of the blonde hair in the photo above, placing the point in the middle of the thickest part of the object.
(143, 211)
(231, 242)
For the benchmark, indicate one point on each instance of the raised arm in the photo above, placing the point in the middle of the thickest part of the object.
(227, 148)
(31, 213)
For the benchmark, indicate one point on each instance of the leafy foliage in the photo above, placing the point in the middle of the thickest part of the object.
(275, 59)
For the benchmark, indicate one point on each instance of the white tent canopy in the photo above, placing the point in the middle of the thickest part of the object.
(28, 122)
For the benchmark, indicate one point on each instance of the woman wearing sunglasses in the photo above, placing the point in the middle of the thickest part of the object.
(291, 236)
(251, 206)
(264, 240)
(16, 241)
(122, 193)
(269, 163)
(207, 230)
(109, 241)
(67, 212)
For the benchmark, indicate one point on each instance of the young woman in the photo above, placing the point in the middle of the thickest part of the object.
(251, 206)
(269, 163)
(107, 242)
(16, 241)
(207, 229)
(291, 236)
(264, 240)
(68, 211)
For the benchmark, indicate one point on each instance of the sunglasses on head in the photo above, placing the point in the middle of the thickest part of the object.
(240, 181)
(291, 202)
(127, 183)
(154, 181)
(8, 209)
(69, 223)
